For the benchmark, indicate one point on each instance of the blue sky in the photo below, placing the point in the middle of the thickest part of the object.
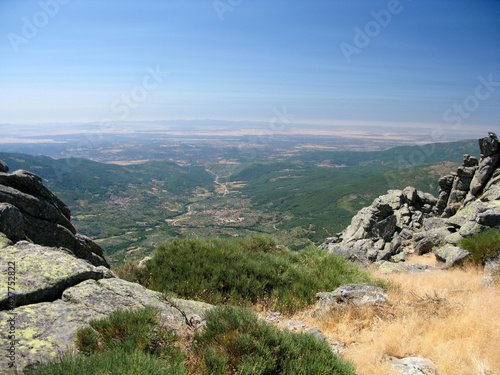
(89, 60)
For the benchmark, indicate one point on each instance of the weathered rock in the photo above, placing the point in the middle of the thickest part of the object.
(317, 333)
(490, 159)
(353, 293)
(490, 218)
(451, 255)
(30, 183)
(425, 241)
(44, 330)
(4, 241)
(29, 211)
(3, 167)
(390, 267)
(377, 232)
(373, 236)
(492, 265)
(294, 325)
(42, 273)
(412, 365)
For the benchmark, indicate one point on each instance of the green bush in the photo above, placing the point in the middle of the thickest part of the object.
(482, 246)
(125, 342)
(244, 271)
(110, 362)
(234, 340)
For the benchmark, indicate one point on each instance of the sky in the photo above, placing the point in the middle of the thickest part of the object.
(407, 63)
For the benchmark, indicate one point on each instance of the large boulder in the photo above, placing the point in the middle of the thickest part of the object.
(55, 294)
(379, 231)
(29, 211)
(490, 159)
(411, 365)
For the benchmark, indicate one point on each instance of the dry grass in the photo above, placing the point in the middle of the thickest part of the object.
(445, 316)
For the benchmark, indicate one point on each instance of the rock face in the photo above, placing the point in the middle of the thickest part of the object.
(55, 294)
(56, 281)
(29, 211)
(380, 231)
(409, 221)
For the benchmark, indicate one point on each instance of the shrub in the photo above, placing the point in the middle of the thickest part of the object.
(128, 342)
(234, 340)
(482, 246)
(117, 361)
(245, 271)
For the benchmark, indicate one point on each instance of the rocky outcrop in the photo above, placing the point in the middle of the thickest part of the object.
(56, 280)
(454, 187)
(409, 221)
(382, 230)
(490, 160)
(31, 212)
(52, 294)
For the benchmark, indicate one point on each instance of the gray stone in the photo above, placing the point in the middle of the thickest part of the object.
(490, 218)
(434, 223)
(317, 333)
(453, 238)
(48, 329)
(406, 234)
(492, 265)
(451, 255)
(42, 274)
(401, 257)
(294, 325)
(412, 365)
(29, 211)
(353, 293)
(390, 267)
(490, 158)
(3, 167)
(4, 241)
(410, 194)
(470, 161)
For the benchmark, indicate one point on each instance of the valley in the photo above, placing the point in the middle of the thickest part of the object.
(300, 198)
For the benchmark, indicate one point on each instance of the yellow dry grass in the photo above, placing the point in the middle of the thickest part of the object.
(445, 316)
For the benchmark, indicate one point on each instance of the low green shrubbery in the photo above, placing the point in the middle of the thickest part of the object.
(126, 342)
(244, 271)
(234, 341)
(482, 246)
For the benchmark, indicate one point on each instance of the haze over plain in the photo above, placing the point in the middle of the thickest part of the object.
(327, 67)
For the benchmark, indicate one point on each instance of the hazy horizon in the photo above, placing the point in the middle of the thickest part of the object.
(402, 64)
